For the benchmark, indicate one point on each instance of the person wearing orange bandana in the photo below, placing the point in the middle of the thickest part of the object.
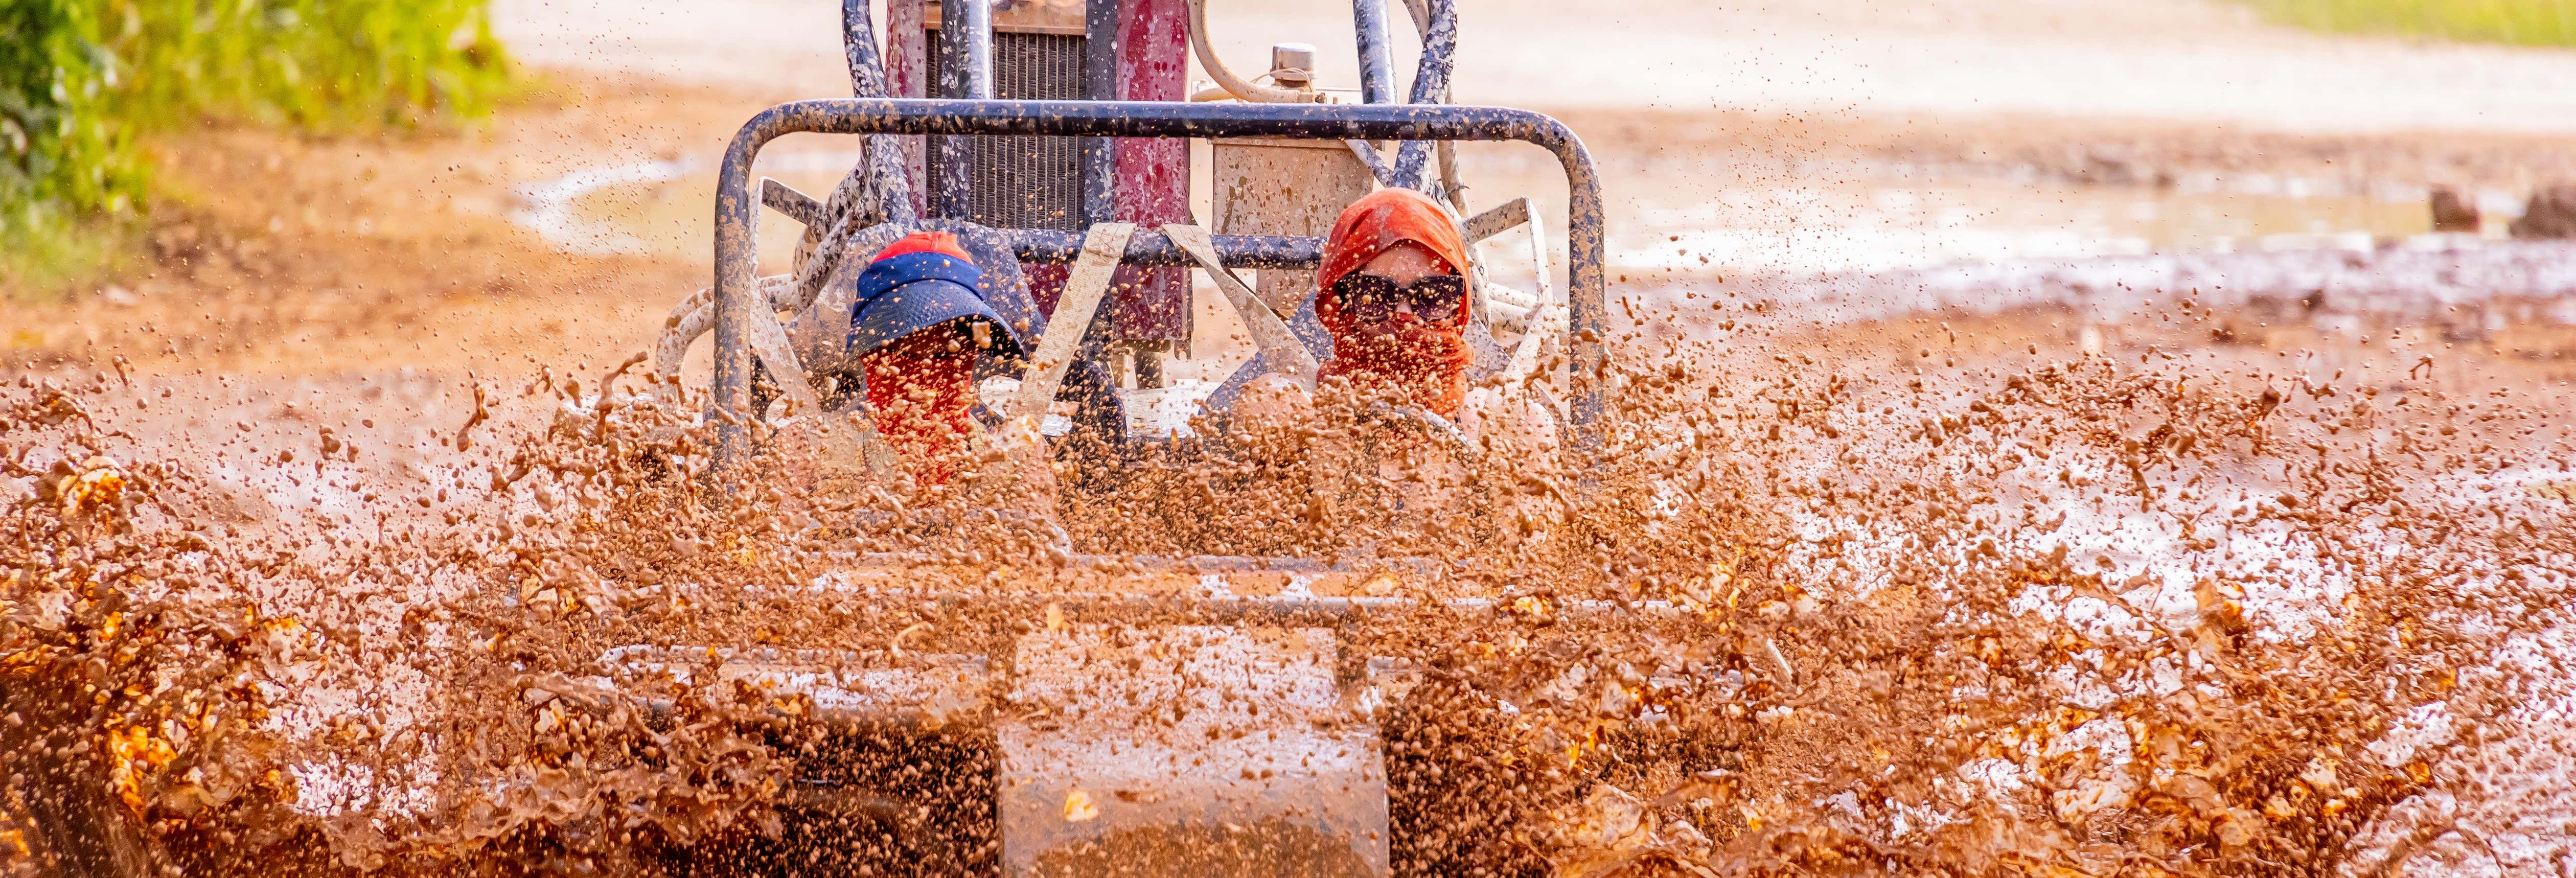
(1393, 293)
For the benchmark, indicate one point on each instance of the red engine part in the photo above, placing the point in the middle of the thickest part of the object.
(1034, 182)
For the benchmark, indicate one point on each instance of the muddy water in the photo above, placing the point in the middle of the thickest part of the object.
(2064, 561)
(1930, 601)
(1988, 572)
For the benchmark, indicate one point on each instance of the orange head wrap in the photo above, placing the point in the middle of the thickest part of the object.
(1427, 363)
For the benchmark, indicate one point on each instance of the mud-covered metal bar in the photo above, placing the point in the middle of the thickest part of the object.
(1055, 245)
(1099, 83)
(1377, 52)
(859, 50)
(1153, 249)
(884, 167)
(736, 214)
(973, 26)
(966, 72)
(1430, 86)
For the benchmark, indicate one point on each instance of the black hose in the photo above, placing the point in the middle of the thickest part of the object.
(1377, 58)
(1430, 86)
(859, 45)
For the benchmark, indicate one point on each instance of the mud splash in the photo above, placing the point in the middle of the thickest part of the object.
(2087, 616)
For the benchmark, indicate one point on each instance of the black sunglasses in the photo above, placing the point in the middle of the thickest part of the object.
(1372, 298)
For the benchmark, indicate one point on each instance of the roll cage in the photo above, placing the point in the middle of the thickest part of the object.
(737, 302)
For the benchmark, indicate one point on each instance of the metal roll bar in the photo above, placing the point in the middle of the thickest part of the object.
(1099, 83)
(737, 204)
(1430, 86)
(859, 50)
(966, 71)
(1377, 56)
(1145, 248)
(1153, 249)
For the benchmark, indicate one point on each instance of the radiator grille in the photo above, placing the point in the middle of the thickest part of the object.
(1024, 182)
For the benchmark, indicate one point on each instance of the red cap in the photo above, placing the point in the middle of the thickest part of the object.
(925, 242)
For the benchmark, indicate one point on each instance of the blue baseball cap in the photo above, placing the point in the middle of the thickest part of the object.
(921, 280)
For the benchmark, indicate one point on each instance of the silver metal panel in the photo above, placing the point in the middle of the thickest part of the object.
(1284, 187)
(1198, 750)
(932, 689)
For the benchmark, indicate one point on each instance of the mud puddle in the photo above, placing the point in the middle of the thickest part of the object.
(1933, 601)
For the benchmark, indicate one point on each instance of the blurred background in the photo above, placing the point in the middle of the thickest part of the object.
(320, 169)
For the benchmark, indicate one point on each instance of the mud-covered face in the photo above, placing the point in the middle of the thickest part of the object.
(1401, 305)
(920, 389)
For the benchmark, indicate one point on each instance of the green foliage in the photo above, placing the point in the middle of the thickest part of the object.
(328, 63)
(60, 155)
(82, 80)
(2518, 22)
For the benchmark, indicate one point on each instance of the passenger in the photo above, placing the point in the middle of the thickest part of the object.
(917, 325)
(1392, 292)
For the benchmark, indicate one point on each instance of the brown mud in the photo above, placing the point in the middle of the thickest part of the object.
(2010, 594)
(1266, 849)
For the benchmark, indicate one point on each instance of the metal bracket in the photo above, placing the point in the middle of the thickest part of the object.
(1503, 218)
(1512, 214)
(1101, 249)
(796, 205)
(1269, 333)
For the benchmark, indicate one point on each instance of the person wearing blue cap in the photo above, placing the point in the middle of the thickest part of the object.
(917, 325)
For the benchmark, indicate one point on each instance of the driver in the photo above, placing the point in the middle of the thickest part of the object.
(1392, 291)
(917, 325)
(1392, 295)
